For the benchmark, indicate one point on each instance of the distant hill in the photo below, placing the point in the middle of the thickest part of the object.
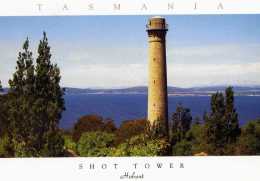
(177, 91)
(194, 91)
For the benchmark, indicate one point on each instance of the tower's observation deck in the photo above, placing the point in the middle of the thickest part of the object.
(157, 23)
(157, 85)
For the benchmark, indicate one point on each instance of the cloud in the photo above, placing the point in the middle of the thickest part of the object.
(125, 66)
(106, 75)
(220, 53)
(188, 75)
(182, 75)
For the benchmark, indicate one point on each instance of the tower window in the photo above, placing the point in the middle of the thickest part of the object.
(154, 59)
(154, 81)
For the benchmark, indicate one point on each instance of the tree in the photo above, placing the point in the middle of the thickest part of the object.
(90, 123)
(20, 100)
(129, 129)
(249, 141)
(5, 149)
(141, 145)
(215, 126)
(221, 124)
(109, 126)
(231, 118)
(69, 143)
(3, 118)
(35, 104)
(181, 122)
(196, 138)
(182, 148)
(49, 103)
(95, 143)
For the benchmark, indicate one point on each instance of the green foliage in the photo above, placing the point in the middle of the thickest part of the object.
(221, 124)
(95, 143)
(196, 138)
(181, 122)
(231, 118)
(5, 146)
(3, 114)
(69, 143)
(54, 145)
(20, 100)
(90, 123)
(35, 104)
(141, 145)
(182, 148)
(192, 142)
(249, 141)
(49, 102)
(5, 142)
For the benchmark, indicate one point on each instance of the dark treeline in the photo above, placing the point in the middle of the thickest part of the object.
(218, 133)
(31, 110)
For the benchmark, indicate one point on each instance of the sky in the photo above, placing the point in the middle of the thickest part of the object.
(112, 51)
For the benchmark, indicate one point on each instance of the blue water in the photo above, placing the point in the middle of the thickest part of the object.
(122, 107)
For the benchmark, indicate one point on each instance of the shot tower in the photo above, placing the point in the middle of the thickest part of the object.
(157, 85)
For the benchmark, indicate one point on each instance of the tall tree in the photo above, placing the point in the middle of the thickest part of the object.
(249, 141)
(5, 146)
(181, 122)
(215, 127)
(2, 117)
(49, 102)
(221, 124)
(231, 117)
(36, 103)
(20, 99)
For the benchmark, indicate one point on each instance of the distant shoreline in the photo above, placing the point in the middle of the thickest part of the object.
(252, 91)
(180, 95)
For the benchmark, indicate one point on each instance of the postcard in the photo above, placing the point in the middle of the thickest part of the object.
(130, 90)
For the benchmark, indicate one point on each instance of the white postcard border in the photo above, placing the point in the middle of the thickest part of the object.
(126, 7)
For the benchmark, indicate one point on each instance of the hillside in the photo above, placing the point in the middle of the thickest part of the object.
(194, 91)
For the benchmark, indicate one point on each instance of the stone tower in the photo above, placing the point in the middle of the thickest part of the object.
(157, 85)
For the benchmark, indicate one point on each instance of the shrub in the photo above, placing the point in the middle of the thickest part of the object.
(4, 146)
(182, 148)
(69, 143)
(196, 137)
(249, 141)
(92, 123)
(95, 143)
(141, 145)
(129, 129)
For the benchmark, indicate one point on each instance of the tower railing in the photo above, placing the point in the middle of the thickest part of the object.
(149, 27)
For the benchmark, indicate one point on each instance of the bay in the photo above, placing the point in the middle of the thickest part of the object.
(120, 107)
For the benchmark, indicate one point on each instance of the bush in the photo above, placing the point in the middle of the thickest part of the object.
(92, 123)
(249, 141)
(141, 145)
(182, 148)
(95, 143)
(129, 129)
(54, 146)
(196, 137)
(4, 146)
(69, 143)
